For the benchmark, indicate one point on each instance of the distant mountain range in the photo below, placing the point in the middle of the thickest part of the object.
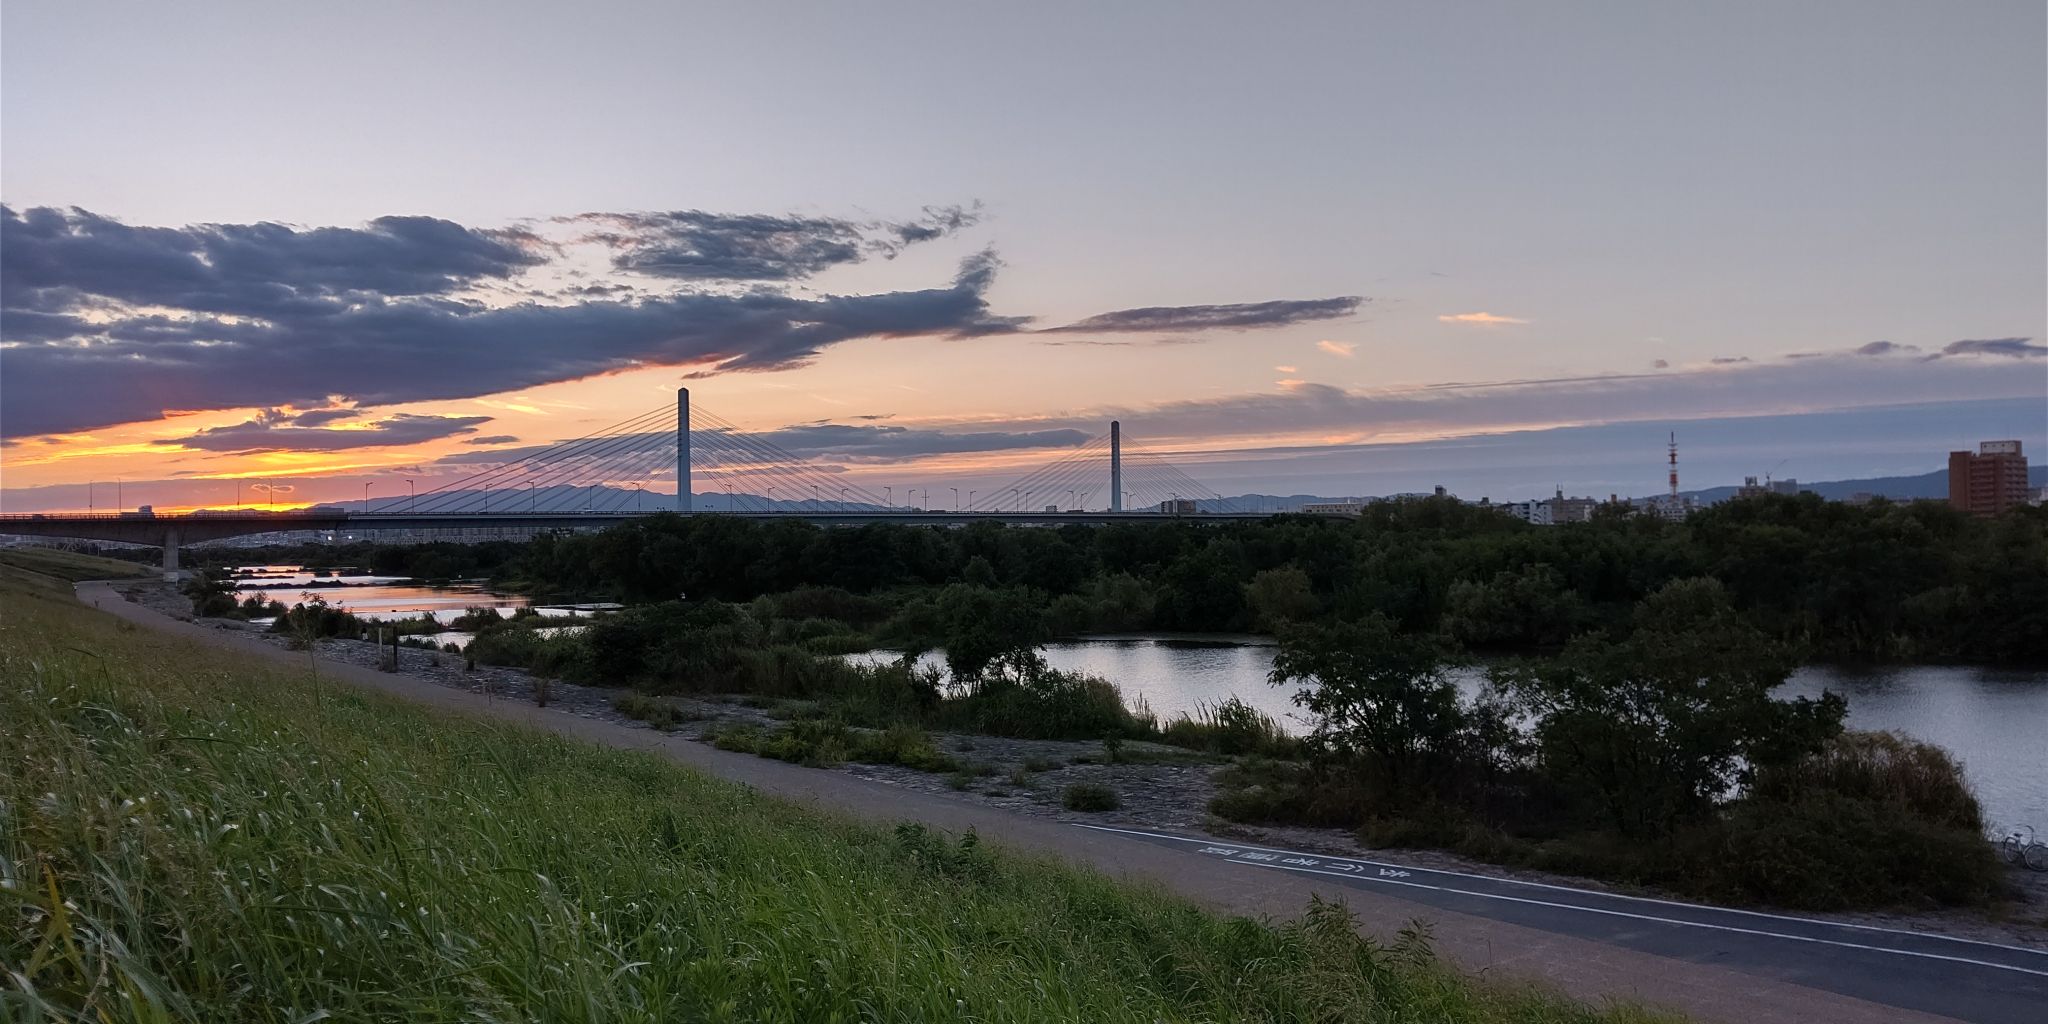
(576, 499)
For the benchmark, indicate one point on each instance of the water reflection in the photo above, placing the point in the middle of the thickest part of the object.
(1995, 722)
(391, 597)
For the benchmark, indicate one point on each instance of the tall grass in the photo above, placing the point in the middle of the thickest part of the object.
(1232, 728)
(1919, 779)
(187, 838)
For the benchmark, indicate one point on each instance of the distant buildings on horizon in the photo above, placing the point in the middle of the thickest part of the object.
(1990, 480)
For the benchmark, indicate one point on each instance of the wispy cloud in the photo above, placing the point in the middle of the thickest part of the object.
(2015, 348)
(1484, 319)
(1834, 381)
(1288, 369)
(269, 434)
(1233, 316)
(1340, 349)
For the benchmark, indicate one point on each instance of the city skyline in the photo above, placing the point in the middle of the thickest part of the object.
(1408, 249)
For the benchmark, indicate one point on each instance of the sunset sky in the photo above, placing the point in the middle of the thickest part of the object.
(1305, 248)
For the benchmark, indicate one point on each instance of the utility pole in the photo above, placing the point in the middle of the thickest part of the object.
(685, 502)
(1116, 466)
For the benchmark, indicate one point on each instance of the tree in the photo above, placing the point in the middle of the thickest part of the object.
(980, 626)
(1379, 699)
(1654, 728)
(1280, 596)
(1530, 606)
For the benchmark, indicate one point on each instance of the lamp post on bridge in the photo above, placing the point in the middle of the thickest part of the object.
(889, 495)
(842, 499)
(532, 499)
(411, 499)
(970, 501)
(956, 499)
(366, 497)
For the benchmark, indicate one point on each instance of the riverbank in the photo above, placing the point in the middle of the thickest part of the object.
(1156, 786)
(357, 857)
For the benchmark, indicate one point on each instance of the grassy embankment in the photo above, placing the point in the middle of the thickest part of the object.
(70, 565)
(187, 837)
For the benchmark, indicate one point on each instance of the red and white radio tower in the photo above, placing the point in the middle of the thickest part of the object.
(1674, 465)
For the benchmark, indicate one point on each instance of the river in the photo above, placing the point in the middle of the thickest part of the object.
(390, 597)
(1994, 721)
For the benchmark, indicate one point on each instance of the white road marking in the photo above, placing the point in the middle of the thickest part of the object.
(1391, 875)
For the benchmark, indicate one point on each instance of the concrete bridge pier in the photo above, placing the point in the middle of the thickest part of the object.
(170, 549)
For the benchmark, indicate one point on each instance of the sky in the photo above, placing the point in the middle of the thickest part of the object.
(1295, 248)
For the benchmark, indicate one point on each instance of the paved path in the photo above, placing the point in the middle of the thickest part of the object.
(1715, 964)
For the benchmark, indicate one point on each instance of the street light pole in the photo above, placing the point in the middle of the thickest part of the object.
(366, 497)
(956, 498)
(411, 499)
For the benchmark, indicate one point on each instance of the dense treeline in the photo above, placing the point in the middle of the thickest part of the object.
(1654, 752)
(1883, 581)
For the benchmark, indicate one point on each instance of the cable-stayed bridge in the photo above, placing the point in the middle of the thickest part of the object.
(660, 460)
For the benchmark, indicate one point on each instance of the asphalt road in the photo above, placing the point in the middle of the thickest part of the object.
(1960, 978)
(1714, 964)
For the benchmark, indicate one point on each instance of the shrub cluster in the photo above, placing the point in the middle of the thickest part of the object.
(821, 743)
(1654, 755)
(1089, 798)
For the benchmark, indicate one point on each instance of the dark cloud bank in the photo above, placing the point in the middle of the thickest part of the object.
(109, 323)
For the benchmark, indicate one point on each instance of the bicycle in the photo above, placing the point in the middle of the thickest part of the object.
(2023, 846)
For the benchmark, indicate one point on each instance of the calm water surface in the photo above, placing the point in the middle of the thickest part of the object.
(1994, 721)
(390, 597)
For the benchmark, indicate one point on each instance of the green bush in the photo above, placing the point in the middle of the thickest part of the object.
(1836, 852)
(1259, 791)
(659, 713)
(821, 743)
(1089, 797)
